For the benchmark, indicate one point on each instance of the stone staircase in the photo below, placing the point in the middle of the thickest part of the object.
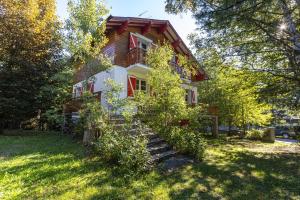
(157, 147)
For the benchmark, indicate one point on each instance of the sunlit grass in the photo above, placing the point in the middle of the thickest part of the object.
(52, 166)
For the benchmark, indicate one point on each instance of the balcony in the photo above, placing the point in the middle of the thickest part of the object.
(136, 55)
(136, 62)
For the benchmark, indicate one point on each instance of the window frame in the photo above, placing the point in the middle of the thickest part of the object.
(138, 84)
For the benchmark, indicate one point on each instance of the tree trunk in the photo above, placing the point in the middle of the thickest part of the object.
(229, 127)
(88, 137)
(244, 123)
(215, 127)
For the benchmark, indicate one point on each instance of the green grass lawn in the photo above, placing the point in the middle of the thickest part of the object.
(50, 166)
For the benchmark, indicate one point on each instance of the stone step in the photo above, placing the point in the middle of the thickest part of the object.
(132, 126)
(118, 126)
(155, 141)
(151, 135)
(159, 148)
(117, 121)
(134, 129)
(163, 156)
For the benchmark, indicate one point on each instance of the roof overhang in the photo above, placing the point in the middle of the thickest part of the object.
(162, 27)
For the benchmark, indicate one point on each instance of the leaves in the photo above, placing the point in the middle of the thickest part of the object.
(167, 96)
(86, 29)
(30, 48)
(235, 93)
(263, 36)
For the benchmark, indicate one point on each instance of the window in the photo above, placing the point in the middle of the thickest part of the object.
(143, 44)
(187, 96)
(141, 85)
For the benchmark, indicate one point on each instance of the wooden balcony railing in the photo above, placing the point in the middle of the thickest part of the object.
(138, 55)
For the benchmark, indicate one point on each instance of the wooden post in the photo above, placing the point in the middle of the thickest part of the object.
(215, 130)
(269, 135)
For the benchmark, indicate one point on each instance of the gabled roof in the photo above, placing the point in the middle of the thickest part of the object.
(162, 26)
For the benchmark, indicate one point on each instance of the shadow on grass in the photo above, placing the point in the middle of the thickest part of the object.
(244, 176)
(53, 166)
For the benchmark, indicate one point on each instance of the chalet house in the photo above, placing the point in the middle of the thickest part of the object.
(129, 40)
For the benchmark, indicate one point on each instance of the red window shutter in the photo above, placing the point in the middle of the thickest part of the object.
(176, 60)
(131, 86)
(91, 87)
(81, 91)
(132, 41)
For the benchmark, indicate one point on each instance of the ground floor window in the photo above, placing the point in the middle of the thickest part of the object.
(135, 84)
(141, 85)
(190, 97)
(187, 96)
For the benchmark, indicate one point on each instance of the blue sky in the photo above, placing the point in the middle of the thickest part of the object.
(184, 23)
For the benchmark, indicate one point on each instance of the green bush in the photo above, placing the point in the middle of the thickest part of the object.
(128, 151)
(255, 134)
(186, 141)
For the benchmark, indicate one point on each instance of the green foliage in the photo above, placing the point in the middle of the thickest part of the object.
(126, 150)
(165, 107)
(115, 145)
(92, 115)
(235, 93)
(30, 53)
(186, 141)
(86, 32)
(263, 36)
(166, 103)
(117, 105)
(58, 92)
(85, 39)
(198, 118)
(67, 173)
(255, 134)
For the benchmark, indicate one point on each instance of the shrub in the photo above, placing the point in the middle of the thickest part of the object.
(124, 149)
(186, 141)
(255, 134)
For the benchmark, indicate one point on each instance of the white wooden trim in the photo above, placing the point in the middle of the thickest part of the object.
(142, 37)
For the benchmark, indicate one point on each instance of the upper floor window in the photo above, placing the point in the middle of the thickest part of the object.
(139, 41)
(143, 44)
(109, 51)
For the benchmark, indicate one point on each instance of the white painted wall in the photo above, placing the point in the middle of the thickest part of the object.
(119, 74)
(116, 73)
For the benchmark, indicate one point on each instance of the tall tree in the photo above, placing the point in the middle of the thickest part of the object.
(86, 35)
(235, 93)
(263, 34)
(85, 39)
(29, 51)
